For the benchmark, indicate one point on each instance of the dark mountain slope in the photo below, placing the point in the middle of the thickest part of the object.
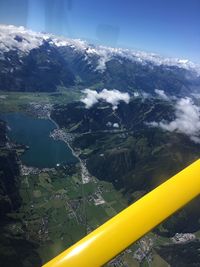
(43, 69)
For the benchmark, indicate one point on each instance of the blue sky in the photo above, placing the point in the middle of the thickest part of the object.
(167, 27)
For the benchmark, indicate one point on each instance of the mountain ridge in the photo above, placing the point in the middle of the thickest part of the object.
(31, 61)
(37, 38)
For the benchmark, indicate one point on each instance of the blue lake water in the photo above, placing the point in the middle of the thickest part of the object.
(43, 151)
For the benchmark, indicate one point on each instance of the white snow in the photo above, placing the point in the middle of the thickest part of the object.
(28, 40)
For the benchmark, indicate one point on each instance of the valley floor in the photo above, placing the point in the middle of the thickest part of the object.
(63, 204)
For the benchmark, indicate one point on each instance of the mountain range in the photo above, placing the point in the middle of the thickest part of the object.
(31, 61)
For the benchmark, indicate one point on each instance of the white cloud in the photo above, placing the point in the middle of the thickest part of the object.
(116, 125)
(161, 94)
(104, 57)
(187, 120)
(113, 97)
(136, 94)
(196, 95)
(109, 124)
(91, 98)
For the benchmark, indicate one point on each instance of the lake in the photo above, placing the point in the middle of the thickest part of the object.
(43, 152)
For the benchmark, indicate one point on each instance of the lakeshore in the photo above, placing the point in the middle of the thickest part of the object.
(43, 151)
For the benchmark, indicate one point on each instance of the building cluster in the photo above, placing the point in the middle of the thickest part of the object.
(144, 251)
(41, 111)
(26, 170)
(183, 238)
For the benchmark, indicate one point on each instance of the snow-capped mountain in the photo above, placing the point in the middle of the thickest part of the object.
(24, 40)
(32, 61)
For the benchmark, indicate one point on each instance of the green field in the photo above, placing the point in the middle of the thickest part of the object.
(18, 101)
(58, 209)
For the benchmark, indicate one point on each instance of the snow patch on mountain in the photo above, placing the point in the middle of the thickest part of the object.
(18, 38)
(162, 94)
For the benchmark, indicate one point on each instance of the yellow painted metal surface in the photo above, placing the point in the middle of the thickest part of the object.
(114, 236)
